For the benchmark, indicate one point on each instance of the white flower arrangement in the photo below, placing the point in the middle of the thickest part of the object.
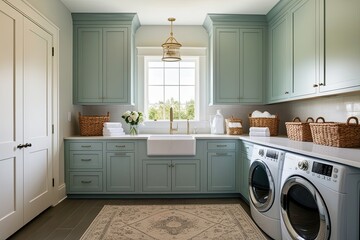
(133, 117)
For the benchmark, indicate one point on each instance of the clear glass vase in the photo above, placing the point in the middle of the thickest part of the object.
(134, 130)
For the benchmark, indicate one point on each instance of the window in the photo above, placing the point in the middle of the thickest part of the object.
(171, 84)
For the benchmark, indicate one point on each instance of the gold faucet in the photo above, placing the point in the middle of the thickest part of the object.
(171, 121)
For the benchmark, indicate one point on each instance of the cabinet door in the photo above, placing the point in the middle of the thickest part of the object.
(88, 65)
(251, 66)
(342, 48)
(227, 65)
(306, 47)
(280, 59)
(11, 158)
(185, 175)
(156, 175)
(37, 120)
(221, 171)
(120, 172)
(115, 65)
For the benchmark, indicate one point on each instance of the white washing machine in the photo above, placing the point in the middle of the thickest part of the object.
(264, 189)
(319, 199)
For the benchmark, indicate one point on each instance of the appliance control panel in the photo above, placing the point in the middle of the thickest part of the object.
(267, 154)
(328, 173)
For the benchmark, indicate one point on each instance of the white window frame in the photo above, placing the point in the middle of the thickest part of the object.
(148, 59)
(162, 126)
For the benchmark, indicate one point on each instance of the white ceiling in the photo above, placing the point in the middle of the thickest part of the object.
(186, 12)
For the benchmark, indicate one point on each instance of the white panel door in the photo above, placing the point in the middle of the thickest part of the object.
(11, 158)
(37, 120)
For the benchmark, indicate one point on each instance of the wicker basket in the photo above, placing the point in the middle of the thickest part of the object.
(346, 135)
(92, 125)
(271, 123)
(299, 131)
(233, 130)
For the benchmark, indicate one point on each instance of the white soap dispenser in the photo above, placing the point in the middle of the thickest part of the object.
(217, 125)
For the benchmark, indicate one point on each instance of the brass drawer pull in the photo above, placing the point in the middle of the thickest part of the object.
(86, 146)
(87, 182)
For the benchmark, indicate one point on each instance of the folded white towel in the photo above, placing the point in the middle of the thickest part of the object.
(234, 125)
(259, 132)
(112, 125)
(259, 129)
(113, 130)
(113, 134)
(256, 113)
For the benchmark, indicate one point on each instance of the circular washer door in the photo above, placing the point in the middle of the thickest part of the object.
(261, 186)
(303, 210)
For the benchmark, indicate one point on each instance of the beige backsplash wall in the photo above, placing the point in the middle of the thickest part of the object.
(333, 108)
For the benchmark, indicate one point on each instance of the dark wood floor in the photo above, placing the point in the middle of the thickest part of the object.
(69, 219)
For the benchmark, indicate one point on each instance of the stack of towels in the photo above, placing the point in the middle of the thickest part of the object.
(259, 114)
(113, 129)
(259, 132)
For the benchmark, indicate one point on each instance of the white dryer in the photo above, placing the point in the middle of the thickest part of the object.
(319, 199)
(264, 189)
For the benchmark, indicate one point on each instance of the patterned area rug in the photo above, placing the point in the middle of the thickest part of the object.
(166, 222)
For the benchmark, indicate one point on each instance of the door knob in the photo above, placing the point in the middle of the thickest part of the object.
(20, 146)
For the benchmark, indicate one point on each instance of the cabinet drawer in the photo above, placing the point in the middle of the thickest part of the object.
(86, 146)
(86, 182)
(86, 159)
(120, 146)
(221, 146)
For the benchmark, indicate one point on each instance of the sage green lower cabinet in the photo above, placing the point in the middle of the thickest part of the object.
(246, 152)
(120, 166)
(84, 167)
(120, 172)
(221, 164)
(171, 175)
(221, 171)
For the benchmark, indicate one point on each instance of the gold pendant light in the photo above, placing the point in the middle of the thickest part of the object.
(171, 47)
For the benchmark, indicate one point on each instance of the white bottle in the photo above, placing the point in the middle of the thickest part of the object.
(217, 126)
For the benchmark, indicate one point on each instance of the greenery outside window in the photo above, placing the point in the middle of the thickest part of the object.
(171, 84)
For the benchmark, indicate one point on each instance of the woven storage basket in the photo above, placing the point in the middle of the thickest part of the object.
(299, 131)
(233, 130)
(92, 125)
(271, 123)
(346, 135)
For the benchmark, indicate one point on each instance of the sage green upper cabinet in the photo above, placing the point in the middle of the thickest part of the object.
(307, 45)
(342, 46)
(295, 50)
(237, 45)
(280, 57)
(103, 58)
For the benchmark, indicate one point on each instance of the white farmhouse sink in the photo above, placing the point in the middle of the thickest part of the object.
(171, 145)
